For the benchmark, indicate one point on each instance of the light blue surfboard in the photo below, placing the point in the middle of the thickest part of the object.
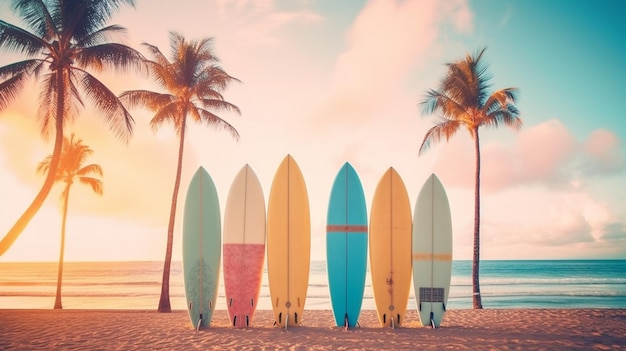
(201, 248)
(346, 246)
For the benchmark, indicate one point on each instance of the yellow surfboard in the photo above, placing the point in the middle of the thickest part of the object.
(288, 243)
(390, 249)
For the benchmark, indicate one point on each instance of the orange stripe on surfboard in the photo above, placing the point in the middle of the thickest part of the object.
(346, 228)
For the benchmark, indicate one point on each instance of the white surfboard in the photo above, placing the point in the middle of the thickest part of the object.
(432, 252)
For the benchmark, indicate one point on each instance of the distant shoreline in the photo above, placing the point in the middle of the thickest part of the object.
(527, 329)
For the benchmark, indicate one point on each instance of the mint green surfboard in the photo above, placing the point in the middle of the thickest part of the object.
(201, 248)
(432, 252)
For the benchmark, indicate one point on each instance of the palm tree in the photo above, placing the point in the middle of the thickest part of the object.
(71, 169)
(64, 39)
(193, 83)
(463, 100)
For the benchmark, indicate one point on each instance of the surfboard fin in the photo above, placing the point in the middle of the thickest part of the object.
(286, 321)
(199, 323)
(234, 321)
(432, 320)
(444, 306)
(346, 322)
(247, 321)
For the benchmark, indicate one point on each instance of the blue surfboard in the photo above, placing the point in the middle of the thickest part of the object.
(201, 248)
(346, 246)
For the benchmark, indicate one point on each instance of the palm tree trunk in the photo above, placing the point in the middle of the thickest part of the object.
(57, 302)
(477, 300)
(164, 301)
(34, 207)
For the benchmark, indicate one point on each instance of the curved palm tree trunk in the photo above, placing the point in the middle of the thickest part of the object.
(34, 207)
(57, 302)
(477, 300)
(164, 301)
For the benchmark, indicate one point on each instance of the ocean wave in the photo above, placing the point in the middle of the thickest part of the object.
(541, 281)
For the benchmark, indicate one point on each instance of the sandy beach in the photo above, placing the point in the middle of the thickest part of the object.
(511, 329)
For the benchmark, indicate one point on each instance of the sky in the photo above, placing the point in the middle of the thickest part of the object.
(331, 82)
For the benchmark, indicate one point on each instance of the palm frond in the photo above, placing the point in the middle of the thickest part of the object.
(114, 113)
(110, 56)
(73, 155)
(101, 36)
(150, 99)
(220, 105)
(168, 113)
(44, 165)
(160, 58)
(36, 16)
(444, 129)
(509, 116)
(193, 83)
(10, 89)
(94, 183)
(205, 50)
(15, 39)
(81, 18)
(164, 75)
(90, 169)
(212, 119)
(447, 107)
(500, 109)
(47, 104)
(500, 98)
(20, 67)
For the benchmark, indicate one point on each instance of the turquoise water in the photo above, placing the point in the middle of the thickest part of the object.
(136, 285)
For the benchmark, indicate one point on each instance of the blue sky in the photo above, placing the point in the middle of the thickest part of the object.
(330, 82)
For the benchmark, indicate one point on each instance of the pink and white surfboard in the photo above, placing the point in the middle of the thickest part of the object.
(244, 246)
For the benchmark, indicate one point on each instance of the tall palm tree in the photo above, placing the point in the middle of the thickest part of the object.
(63, 40)
(71, 169)
(463, 100)
(193, 82)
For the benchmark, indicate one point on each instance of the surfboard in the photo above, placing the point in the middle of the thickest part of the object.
(288, 243)
(346, 246)
(390, 249)
(201, 248)
(244, 246)
(432, 252)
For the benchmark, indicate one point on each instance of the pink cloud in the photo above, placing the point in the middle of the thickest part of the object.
(543, 150)
(602, 151)
(387, 40)
(544, 153)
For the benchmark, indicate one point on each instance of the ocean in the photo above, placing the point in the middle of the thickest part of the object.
(136, 285)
